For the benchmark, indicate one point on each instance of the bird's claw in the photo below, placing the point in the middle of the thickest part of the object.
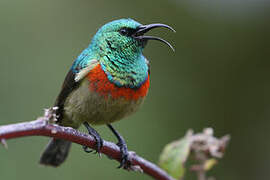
(87, 149)
(99, 145)
(99, 140)
(124, 163)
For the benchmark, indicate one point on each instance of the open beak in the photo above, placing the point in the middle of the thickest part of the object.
(141, 30)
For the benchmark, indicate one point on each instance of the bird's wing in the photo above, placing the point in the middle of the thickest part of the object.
(71, 82)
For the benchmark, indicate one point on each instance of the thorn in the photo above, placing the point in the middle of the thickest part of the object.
(53, 131)
(4, 143)
(135, 168)
(55, 108)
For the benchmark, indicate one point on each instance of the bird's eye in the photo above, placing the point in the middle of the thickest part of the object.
(124, 31)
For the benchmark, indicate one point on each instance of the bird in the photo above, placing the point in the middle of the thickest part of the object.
(107, 82)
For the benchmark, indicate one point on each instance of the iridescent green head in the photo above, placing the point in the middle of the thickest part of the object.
(124, 35)
(113, 38)
(118, 46)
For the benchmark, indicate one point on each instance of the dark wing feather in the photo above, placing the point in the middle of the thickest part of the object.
(68, 86)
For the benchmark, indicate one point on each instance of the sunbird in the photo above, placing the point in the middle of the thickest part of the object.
(108, 81)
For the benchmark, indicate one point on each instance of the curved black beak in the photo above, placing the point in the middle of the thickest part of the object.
(141, 30)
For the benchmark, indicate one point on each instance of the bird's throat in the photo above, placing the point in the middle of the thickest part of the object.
(123, 72)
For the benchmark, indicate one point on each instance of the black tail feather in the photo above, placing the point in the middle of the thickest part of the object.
(55, 152)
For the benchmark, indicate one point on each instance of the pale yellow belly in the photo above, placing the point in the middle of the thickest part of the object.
(83, 105)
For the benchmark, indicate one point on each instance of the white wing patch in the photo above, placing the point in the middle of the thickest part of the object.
(80, 75)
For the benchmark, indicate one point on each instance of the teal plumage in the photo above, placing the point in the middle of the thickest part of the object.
(121, 58)
(107, 82)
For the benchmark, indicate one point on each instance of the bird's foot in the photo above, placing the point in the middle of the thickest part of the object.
(99, 145)
(124, 162)
(87, 149)
(99, 140)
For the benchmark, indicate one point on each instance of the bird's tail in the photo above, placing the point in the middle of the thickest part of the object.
(55, 152)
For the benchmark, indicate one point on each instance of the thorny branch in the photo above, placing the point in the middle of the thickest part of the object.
(43, 126)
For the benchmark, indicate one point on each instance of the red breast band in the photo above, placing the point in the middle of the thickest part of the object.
(100, 84)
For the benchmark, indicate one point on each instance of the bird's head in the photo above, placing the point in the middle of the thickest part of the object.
(118, 47)
(124, 36)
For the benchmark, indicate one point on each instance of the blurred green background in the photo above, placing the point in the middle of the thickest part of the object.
(218, 77)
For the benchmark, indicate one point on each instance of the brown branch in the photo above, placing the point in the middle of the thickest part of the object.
(42, 127)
